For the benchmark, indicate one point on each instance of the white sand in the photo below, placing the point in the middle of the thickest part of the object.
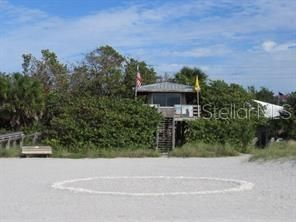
(26, 192)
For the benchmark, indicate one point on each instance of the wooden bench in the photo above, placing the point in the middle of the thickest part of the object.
(36, 151)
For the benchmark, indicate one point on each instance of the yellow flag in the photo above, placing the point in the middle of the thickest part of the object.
(196, 85)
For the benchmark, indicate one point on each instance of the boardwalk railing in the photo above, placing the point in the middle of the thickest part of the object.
(187, 111)
(179, 111)
(12, 139)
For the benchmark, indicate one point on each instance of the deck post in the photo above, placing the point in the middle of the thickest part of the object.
(34, 138)
(8, 144)
(157, 137)
(173, 134)
(22, 141)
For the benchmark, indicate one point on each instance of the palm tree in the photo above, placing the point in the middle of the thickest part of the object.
(24, 102)
(187, 76)
(3, 88)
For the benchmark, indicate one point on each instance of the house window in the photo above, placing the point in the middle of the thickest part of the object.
(160, 99)
(166, 99)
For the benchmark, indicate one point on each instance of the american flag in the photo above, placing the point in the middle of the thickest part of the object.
(138, 78)
(282, 97)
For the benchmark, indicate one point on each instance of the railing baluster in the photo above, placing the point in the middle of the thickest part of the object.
(11, 139)
(8, 144)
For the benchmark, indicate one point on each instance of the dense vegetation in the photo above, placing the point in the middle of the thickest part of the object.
(83, 108)
(102, 122)
(228, 118)
(21, 101)
(89, 108)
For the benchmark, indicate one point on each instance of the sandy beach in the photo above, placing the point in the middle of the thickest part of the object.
(160, 189)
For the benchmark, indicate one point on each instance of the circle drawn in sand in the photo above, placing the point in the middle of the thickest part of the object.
(240, 185)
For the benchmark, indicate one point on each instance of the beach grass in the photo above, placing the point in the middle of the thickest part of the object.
(12, 152)
(204, 150)
(107, 153)
(285, 150)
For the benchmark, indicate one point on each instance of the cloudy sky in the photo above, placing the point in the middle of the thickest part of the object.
(251, 42)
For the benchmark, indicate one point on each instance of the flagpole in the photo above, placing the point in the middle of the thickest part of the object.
(197, 89)
(197, 98)
(136, 87)
(136, 93)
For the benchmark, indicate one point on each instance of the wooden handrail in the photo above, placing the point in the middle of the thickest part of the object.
(17, 136)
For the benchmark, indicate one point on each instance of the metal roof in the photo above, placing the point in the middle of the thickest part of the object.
(166, 87)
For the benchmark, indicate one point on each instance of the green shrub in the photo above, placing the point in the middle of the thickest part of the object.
(228, 115)
(107, 153)
(277, 150)
(204, 150)
(12, 152)
(89, 123)
(238, 133)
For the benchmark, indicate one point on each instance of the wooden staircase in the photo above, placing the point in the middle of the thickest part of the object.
(165, 141)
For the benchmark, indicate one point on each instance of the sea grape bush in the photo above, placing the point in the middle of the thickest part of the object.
(238, 133)
(213, 129)
(100, 122)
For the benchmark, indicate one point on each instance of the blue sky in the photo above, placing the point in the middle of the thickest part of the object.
(251, 42)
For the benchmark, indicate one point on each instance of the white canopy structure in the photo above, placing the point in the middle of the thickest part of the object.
(270, 110)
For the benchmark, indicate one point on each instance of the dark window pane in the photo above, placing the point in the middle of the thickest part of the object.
(160, 99)
(166, 99)
(173, 99)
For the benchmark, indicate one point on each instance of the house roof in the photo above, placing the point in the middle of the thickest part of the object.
(270, 110)
(166, 87)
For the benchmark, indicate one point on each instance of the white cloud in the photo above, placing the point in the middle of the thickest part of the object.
(216, 50)
(275, 69)
(271, 46)
(172, 68)
(168, 35)
(268, 45)
(18, 14)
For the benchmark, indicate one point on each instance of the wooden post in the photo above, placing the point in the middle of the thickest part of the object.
(136, 93)
(173, 134)
(34, 138)
(157, 137)
(8, 144)
(198, 106)
(22, 140)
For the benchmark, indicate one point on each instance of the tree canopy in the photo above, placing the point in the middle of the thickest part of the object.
(92, 100)
(263, 94)
(105, 72)
(48, 70)
(21, 100)
(187, 76)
